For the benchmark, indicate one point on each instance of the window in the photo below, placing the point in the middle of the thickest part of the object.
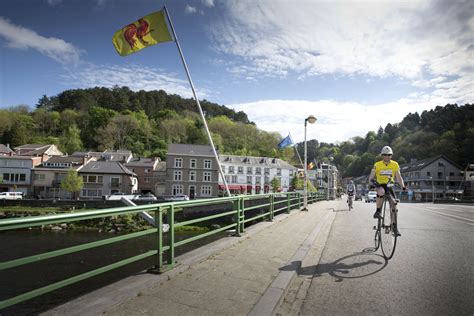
(206, 176)
(147, 170)
(207, 164)
(91, 193)
(147, 179)
(267, 170)
(177, 175)
(249, 170)
(258, 170)
(115, 182)
(234, 179)
(206, 190)
(231, 169)
(249, 179)
(267, 180)
(227, 179)
(177, 189)
(178, 162)
(22, 177)
(278, 172)
(240, 170)
(223, 169)
(39, 176)
(92, 179)
(192, 175)
(258, 180)
(192, 164)
(428, 173)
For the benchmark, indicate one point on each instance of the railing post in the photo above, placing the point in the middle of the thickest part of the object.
(288, 195)
(236, 206)
(170, 216)
(242, 214)
(272, 206)
(299, 200)
(158, 268)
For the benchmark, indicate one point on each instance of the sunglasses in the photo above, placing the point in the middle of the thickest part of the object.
(386, 154)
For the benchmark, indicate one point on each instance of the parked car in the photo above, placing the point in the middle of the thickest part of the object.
(370, 196)
(172, 198)
(11, 195)
(146, 197)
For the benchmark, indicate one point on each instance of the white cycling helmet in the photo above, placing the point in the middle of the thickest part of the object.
(386, 150)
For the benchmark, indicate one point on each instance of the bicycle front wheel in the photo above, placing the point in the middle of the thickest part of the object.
(387, 237)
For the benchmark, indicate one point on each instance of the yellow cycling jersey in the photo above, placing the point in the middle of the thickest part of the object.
(385, 173)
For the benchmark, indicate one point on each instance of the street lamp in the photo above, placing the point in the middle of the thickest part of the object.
(432, 189)
(311, 119)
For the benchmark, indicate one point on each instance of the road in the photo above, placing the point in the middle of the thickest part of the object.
(431, 273)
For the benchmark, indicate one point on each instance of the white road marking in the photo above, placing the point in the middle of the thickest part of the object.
(448, 216)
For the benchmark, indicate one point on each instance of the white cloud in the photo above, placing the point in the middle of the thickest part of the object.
(136, 77)
(189, 9)
(18, 37)
(337, 121)
(208, 3)
(415, 40)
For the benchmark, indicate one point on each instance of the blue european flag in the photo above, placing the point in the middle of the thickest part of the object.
(287, 141)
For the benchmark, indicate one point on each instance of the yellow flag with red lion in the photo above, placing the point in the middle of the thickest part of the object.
(147, 31)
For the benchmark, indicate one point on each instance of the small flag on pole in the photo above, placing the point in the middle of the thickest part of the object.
(147, 31)
(311, 166)
(285, 142)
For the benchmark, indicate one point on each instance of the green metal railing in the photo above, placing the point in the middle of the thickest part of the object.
(267, 206)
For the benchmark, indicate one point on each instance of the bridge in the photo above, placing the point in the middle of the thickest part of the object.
(295, 262)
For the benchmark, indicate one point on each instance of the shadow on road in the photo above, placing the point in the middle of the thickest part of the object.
(358, 265)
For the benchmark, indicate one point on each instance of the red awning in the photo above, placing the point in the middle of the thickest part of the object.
(232, 187)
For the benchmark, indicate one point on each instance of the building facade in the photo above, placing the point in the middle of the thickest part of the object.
(253, 175)
(191, 170)
(15, 173)
(145, 169)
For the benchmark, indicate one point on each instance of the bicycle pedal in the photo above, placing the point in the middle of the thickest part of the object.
(397, 200)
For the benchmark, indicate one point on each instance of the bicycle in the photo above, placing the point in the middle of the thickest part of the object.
(349, 200)
(385, 237)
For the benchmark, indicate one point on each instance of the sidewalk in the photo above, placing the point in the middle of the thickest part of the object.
(237, 275)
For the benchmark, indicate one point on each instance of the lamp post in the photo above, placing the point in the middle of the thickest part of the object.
(432, 189)
(311, 119)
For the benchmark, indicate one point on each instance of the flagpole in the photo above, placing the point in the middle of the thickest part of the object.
(197, 101)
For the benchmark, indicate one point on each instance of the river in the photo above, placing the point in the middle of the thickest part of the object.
(25, 278)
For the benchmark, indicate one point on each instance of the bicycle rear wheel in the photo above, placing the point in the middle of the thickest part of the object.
(388, 238)
(377, 236)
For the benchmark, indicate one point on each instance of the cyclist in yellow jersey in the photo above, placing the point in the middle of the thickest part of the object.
(382, 173)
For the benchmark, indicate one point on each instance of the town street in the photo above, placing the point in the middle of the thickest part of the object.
(431, 272)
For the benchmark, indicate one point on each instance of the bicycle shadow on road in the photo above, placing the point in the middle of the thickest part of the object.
(358, 265)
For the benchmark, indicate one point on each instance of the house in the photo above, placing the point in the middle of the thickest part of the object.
(432, 178)
(5, 150)
(253, 175)
(469, 180)
(15, 173)
(191, 170)
(327, 179)
(122, 156)
(103, 178)
(159, 179)
(144, 168)
(37, 150)
(47, 176)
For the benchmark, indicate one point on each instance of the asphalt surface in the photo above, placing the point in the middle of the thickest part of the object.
(431, 272)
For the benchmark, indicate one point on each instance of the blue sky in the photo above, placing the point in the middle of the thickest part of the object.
(355, 65)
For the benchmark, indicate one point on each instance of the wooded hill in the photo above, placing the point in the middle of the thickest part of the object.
(146, 121)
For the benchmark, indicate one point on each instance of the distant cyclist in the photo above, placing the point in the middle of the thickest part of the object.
(350, 190)
(382, 173)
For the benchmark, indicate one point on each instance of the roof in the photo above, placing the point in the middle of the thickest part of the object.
(190, 150)
(109, 155)
(106, 167)
(5, 150)
(143, 162)
(420, 164)
(37, 150)
(249, 160)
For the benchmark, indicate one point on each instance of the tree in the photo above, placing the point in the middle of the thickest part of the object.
(276, 184)
(72, 183)
(71, 140)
